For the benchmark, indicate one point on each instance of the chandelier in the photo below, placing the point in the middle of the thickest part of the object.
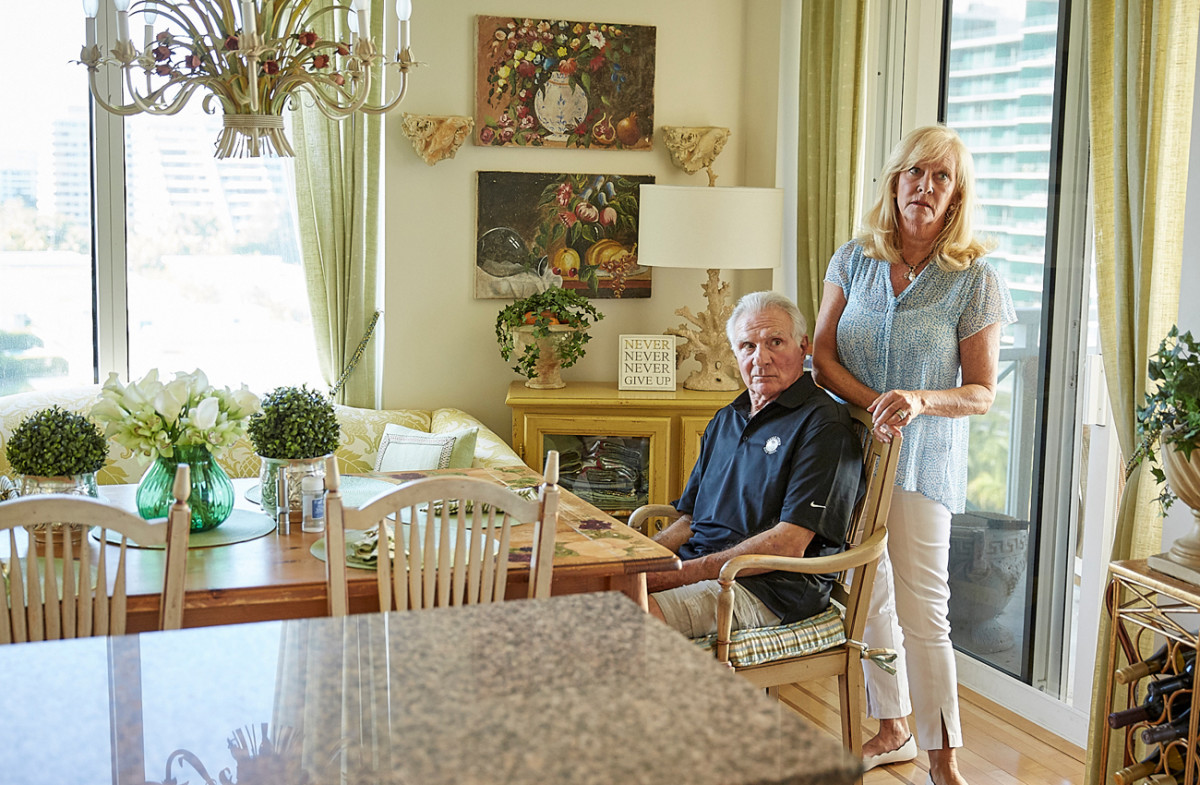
(251, 64)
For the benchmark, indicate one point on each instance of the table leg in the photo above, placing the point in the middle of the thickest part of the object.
(633, 586)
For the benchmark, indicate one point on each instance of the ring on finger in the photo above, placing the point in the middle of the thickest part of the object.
(902, 414)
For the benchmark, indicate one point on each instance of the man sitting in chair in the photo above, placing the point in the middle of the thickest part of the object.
(780, 471)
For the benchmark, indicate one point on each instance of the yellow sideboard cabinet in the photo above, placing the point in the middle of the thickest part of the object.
(619, 449)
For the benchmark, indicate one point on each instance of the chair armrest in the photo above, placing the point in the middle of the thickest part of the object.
(638, 519)
(866, 551)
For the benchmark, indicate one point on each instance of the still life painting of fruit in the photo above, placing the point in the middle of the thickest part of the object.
(557, 83)
(576, 231)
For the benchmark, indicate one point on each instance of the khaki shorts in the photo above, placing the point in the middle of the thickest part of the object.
(692, 609)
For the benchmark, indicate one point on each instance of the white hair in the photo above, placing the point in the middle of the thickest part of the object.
(757, 302)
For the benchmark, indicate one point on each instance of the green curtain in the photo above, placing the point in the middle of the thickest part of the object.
(337, 192)
(1141, 72)
(832, 73)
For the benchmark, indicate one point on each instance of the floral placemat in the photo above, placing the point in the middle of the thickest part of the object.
(240, 526)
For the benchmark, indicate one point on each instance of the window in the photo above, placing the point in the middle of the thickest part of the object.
(45, 208)
(1019, 503)
(200, 269)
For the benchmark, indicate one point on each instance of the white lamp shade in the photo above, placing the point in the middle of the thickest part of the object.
(710, 228)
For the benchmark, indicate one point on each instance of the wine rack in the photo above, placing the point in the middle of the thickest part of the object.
(1149, 609)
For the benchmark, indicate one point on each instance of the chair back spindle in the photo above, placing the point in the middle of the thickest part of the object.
(66, 588)
(440, 541)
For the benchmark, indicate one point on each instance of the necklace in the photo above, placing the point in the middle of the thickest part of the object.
(911, 275)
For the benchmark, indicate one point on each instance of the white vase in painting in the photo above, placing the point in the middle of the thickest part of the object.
(560, 106)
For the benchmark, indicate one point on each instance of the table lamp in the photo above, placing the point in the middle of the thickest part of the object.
(710, 229)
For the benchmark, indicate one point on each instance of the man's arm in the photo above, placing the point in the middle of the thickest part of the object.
(676, 534)
(783, 539)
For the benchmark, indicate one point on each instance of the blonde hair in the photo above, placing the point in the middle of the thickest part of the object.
(955, 247)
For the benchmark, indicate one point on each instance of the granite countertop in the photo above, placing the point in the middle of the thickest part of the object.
(577, 689)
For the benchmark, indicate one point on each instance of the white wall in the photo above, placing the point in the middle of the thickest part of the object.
(1179, 519)
(440, 345)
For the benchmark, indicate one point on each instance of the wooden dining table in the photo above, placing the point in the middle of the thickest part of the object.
(278, 576)
(577, 690)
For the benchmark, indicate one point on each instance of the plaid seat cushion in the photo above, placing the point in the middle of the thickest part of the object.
(767, 644)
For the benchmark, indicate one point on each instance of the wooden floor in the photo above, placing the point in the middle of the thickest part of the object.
(1001, 747)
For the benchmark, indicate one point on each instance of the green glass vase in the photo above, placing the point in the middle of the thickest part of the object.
(212, 492)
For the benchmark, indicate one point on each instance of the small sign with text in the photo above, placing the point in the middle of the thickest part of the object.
(646, 362)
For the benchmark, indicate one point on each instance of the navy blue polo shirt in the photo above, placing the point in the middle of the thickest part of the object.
(798, 460)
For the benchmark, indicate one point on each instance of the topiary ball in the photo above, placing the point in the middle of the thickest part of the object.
(55, 442)
(295, 422)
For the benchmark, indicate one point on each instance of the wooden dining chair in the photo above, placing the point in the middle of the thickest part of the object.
(458, 554)
(61, 589)
(830, 643)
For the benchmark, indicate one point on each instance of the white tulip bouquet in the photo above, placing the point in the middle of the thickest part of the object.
(152, 417)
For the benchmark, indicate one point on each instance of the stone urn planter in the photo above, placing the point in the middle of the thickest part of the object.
(547, 368)
(1183, 475)
(989, 553)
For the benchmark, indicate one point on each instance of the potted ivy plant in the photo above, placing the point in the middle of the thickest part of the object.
(546, 332)
(56, 451)
(1170, 415)
(296, 429)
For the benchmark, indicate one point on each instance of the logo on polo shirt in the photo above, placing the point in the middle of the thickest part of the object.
(772, 445)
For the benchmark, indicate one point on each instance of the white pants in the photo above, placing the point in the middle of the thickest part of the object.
(912, 593)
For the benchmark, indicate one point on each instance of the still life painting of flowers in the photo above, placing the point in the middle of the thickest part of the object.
(556, 83)
(576, 231)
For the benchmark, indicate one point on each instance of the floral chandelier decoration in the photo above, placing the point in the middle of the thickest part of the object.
(252, 64)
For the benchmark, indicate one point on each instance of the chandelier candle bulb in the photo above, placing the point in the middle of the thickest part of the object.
(361, 24)
(249, 18)
(122, 26)
(122, 7)
(403, 13)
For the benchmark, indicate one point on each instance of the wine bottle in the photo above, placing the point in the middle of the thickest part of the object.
(1138, 670)
(1157, 662)
(1162, 779)
(1151, 709)
(1176, 728)
(1150, 764)
(1182, 681)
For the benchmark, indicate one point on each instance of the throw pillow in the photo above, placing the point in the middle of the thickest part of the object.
(403, 449)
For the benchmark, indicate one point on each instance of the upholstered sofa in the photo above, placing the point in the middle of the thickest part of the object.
(361, 430)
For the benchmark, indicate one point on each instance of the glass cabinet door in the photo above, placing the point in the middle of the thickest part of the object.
(611, 472)
(617, 465)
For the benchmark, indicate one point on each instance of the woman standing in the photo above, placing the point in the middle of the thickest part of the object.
(909, 328)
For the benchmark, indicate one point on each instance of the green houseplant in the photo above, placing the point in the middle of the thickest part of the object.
(294, 430)
(546, 331)
(56, 451)
(1171, 412)
(56, 443)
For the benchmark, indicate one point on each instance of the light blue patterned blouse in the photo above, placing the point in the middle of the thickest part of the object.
(911, 342)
